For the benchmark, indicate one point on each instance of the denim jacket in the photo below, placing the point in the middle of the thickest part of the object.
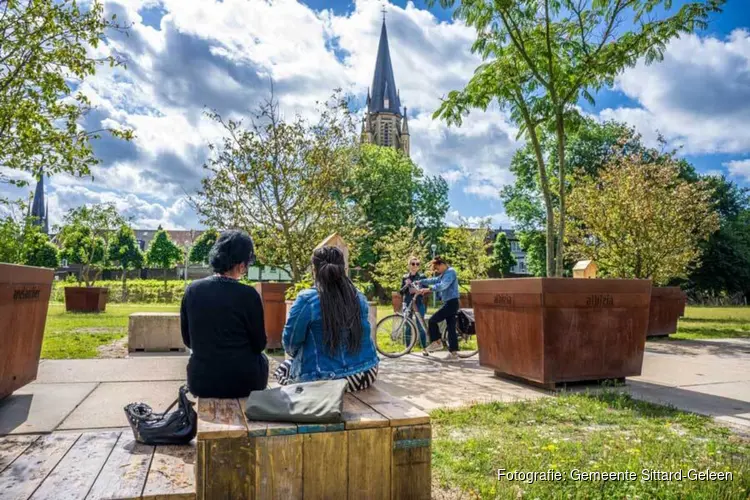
(446, 284)
(303, 340)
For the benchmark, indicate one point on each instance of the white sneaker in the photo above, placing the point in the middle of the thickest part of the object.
(435, 346)
(452, 356)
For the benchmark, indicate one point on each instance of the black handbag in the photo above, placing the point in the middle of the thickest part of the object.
(466, 324)
(178, 427)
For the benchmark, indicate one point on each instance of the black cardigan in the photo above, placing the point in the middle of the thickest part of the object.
(222, 323)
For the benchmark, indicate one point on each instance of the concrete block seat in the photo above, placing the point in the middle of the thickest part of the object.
(382, 450)
(155, 332)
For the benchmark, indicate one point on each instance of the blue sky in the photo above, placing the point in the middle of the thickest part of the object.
(187, 54)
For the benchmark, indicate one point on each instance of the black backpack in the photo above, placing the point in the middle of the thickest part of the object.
(465, 321)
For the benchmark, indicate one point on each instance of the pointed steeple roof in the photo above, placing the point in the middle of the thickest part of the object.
(384, 93)
(405, 126)
(38, 205)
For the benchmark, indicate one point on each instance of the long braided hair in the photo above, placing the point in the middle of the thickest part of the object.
(339, 301)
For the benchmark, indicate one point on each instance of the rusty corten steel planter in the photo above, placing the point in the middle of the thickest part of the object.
(273, 296)
(553, 330)
(464, 301)
(86, 299)
(24, 297)
(667, 306)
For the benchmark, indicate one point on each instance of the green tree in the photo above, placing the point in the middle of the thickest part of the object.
(11, 240)
(534, 245)
(641, 220)
(467, 250)
(389, 189)
(45, 50)
(394, 250)
(163, 254)
(37, 250)
(202, 246)
(502, 257)
(126, 253)
(85, 237)
(542, 56)
(278, 180)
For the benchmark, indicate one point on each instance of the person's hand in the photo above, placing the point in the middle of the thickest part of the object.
(408, 281)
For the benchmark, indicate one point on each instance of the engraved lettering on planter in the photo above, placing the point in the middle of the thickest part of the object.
(26, 294)
(503, 300)
(600, 301)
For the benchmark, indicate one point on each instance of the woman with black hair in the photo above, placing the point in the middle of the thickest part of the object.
(222, 323)
(327, 333)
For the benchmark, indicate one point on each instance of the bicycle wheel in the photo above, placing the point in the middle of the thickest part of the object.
(467, 345)
(395, 335)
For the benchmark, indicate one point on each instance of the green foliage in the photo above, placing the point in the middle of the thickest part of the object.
(467, 250)
(138, 291)
(534, 244)
(85, 236)
(162, 253)
(502, 257)
(301, 285)
(37, 250)
(202, 246)
(126, 253)
(11, 240)
(539, 60)
(281, 180)
(394, 250)
(46, 51)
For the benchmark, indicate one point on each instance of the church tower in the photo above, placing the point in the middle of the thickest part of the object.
(384, 124)
(39, 209)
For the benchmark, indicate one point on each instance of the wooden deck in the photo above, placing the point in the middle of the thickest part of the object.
(92, 466)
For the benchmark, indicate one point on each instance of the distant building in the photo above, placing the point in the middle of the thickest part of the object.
(515, 248)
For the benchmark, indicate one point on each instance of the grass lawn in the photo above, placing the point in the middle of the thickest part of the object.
(714, 323)
(606, 432)
(77, 335)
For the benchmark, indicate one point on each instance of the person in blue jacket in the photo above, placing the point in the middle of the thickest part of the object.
(445, 284)
(327, 333)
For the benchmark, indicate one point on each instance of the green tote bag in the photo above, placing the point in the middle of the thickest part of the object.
(307, 402)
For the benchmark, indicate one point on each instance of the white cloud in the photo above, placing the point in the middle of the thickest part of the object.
(739, 169)
(698, 96)
(501, 219)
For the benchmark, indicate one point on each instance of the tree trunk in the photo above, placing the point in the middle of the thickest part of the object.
(124, 285)
(559, 264)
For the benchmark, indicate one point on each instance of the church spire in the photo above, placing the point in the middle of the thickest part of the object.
(384, 93)
(38, 205)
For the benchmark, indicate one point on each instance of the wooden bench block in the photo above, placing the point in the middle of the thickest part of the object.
(124, 475)
(381, 450)
(155, 332)
(325, 465)
(172, 474)
(278, 467)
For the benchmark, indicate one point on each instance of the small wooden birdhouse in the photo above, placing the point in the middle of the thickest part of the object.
(585, 269)
(337, 241)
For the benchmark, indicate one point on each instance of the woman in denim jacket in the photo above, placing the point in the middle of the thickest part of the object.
(327, 333)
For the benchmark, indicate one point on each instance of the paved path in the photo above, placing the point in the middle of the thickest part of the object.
(708, 377)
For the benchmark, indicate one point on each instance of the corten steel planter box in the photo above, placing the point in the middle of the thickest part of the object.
(24, 297)
(398, 301)
(553, 330)
(464, 301)
(274, 310)
(86, 299)
(667, 305)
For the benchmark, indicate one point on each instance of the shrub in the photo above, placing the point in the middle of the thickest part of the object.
(141, 291)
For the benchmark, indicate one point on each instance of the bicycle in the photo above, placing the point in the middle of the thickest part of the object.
(396, 334)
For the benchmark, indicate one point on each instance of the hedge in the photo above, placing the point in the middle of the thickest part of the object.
(141, 291)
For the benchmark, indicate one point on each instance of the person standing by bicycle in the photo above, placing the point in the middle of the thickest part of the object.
(445, 284)
(413, 275)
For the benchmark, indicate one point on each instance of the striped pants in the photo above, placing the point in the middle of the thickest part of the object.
(357, 382)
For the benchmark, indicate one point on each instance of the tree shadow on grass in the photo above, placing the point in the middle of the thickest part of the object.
(723, 321)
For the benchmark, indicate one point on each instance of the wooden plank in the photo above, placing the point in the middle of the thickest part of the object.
(280, 429)
(11, 447)
(225, 468)
(124, 474)
(370, 464)
(397, 411)
(278, 467)
(325, 465)
(172, 474)
(410, 462)
(314, 428)
(220, 418)
(19, 480)
(74, 475)
(359, 415)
